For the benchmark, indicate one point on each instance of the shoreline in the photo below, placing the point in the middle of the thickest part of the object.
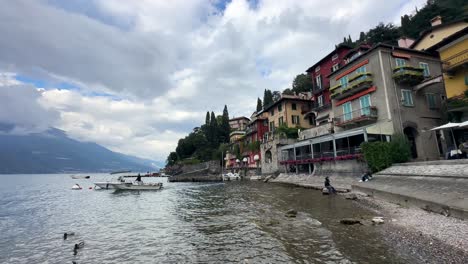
(417, 235)
(427, 236)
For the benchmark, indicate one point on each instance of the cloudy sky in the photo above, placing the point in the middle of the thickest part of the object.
(137, 75)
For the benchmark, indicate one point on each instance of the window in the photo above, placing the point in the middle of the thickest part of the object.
(272, 126)
(295, 119)
(365, 103)
(293, 106)
(344, 82)
(407, 97)
(335, 57)
(317, 69)
(347, 115)
(431, 101)
(280, 121)
(272, 112)
(320, 100)
(280, 107)
(318, 81)
(425, 66)
(361, 69)
(335, 67)
(400, 62)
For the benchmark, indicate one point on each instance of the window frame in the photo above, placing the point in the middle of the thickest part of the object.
(295, 120)
(425, 68)
(335, 67)
(280, 121)
(344, 85)
(400, 60)
(334, 57)
(280, 107)
(366, 111)
(434, 97)
(318, 81)
(350, 113)
(404, 102)
(293, 106)
(320, 100)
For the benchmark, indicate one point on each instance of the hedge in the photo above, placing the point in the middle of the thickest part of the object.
(381, 155)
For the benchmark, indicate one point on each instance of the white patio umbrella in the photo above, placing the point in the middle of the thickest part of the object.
(449, 126)
(464, 124)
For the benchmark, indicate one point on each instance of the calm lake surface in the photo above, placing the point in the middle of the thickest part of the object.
(182, 223)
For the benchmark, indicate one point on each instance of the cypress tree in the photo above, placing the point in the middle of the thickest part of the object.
(213, 130)
(259, 105)
(225, 128)
(207, 118)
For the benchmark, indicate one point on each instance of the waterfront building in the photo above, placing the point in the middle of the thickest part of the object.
(383, 91)
(239, 123)
(319, 108)
(288, 110)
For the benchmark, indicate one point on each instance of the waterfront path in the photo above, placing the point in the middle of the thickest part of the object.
(438, 186)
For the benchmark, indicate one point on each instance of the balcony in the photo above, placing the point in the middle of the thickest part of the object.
(250, 130)
(408, 75)
(363, 115)
(451, 64)
(315, 131)
(356, 84)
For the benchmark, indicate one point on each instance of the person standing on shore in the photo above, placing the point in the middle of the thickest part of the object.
(330, 188)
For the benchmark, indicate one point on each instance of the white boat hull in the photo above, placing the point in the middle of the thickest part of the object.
(107, 185)
(135, 186)
(231, 177)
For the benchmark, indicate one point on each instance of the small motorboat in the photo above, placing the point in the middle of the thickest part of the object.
(110, 184)
(80, 176)
(256, 178)
(138, 185)
(76, 187)
(231, 176)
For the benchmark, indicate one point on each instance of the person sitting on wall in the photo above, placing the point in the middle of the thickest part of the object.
(367, 176)
(463, 147)
(330, 188)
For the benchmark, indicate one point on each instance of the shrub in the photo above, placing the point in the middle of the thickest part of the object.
(288, 132)
(381, 155)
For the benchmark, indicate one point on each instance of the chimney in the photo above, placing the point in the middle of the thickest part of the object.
(436, 21)
(405, 42)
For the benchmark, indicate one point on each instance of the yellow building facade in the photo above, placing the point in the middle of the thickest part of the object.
(454, 57)
(288, 111)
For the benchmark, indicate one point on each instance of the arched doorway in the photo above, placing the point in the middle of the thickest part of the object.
(411, 134)
(268, 157)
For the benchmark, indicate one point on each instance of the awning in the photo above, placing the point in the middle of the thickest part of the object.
(464, 124)
(448, 125)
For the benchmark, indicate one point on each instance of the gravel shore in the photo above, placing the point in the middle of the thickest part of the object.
(420, 236)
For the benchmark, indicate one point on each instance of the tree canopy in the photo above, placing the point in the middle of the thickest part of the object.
(302, 83)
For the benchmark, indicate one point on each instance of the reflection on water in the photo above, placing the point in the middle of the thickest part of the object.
(183, 222)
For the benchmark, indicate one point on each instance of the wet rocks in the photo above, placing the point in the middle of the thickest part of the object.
(350, 196)
(291, 213)
(377, 220)
(350, 221)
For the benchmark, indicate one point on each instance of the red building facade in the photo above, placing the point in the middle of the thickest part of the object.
(319, 74)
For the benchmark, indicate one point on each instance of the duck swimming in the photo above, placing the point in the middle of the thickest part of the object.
(65, 235)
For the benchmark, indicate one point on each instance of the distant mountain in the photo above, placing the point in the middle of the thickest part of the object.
(54, 152)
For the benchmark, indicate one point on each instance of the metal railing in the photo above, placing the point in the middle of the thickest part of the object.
(362, 114)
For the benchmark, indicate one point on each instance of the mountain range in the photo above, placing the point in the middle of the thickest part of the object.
(53, 151)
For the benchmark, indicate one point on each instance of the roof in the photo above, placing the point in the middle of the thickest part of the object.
(449, 39)
(239, 118)
(429, 30)
(356, 49)
(341, 46)
(286, 97)
(382, 45)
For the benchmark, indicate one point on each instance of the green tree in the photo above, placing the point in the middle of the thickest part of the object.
(302, 83)
(267, 98)
(213, 141)
(172, 158)
(288, 91)
(225, 128)
(207, 118)
(259, 105)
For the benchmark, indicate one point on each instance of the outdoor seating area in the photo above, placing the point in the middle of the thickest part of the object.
(458, 147)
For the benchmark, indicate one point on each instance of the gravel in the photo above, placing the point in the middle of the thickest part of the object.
(420, 236)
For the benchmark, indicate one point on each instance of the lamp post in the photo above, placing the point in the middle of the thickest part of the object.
(257, 159)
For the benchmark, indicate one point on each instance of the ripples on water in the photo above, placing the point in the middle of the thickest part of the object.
(182, 223)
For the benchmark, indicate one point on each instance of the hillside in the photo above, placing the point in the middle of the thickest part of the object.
(54, 152)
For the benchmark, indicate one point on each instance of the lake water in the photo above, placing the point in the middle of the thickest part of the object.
(182, 223)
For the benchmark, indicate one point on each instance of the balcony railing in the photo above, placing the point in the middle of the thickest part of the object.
(357, 83)
(408, 75)
(362, 115)
(250, 130)
(456, 61)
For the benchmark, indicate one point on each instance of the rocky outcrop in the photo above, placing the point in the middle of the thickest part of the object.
(206, 171)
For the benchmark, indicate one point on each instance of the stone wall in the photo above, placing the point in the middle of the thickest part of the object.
(206, 171)
(271, 166)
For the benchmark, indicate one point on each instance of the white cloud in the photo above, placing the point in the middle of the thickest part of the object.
(170, 61)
